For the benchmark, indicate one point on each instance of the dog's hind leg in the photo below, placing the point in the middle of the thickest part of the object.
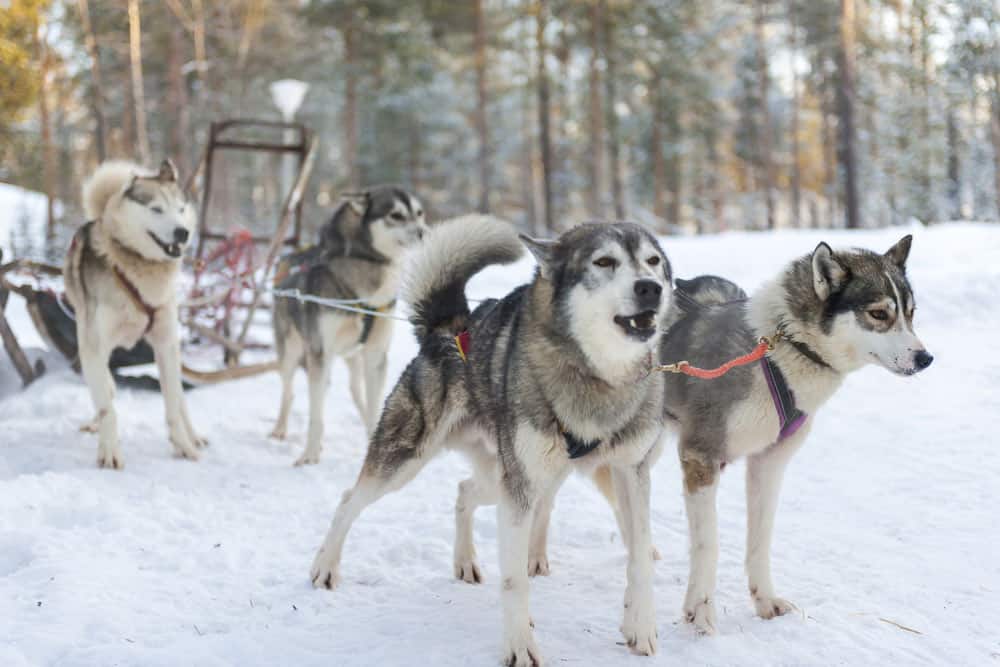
(94, 365)
(701, 483)
(764, 473)
(538, 557)
(602, 480)
(408, 436)
(474, 492)
(318, 369)
(290, 356)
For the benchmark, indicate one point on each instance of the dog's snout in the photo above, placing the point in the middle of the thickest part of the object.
(648, 293)
(922, 359)
(181, 235)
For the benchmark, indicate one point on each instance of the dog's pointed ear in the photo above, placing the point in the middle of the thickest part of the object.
(168, 172)
(542, 250)
(898, 253)
(828, 273)
(358, 201)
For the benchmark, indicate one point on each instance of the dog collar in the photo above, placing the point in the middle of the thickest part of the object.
(136, 296)
(790, 418)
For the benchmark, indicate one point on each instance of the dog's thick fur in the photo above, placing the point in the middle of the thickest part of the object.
(835, 311)
(358, 258)
(120, 277)
(561, 360)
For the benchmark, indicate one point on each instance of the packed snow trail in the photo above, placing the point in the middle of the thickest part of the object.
(886, 535)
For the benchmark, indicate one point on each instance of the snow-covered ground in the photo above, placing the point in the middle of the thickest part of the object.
(888, 516)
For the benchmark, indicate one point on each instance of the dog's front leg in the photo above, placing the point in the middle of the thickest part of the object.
(631, 486)
(167, 350)
(701, 483)
(514, 520)
(356, 383)
(318, 369)
(94, 365)
(376, 364)
(764, 474)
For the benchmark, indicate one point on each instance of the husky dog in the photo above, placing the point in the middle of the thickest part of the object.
(358, 259)
(551, 378)
(120, 278)
(828, 313)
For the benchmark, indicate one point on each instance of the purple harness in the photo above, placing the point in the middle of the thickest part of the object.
(790, 418)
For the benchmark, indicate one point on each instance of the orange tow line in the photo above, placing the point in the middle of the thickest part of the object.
(763, 347)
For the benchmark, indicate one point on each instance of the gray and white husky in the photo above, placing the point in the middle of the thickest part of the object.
(829, 313)
(358, 259)
(552, 378)
(121, 279)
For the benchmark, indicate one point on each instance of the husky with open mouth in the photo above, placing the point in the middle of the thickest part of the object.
(552, 378)
(121, 279)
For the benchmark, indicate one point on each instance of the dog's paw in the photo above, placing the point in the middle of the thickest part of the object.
(702, 616)
(770, 607)
(308, 458)
(183, 447)
(200, 442)
(323, 573)
(640, 633)
(467, 569)
(278, 433)
(538, 565)
(110, 458)
(91, 427)
(656, 554)
(521, 651)
(186, 452)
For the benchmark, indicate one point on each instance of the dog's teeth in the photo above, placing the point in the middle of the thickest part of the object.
(632, 324)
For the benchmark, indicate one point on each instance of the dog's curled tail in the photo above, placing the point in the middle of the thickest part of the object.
(451, 253)
(110, 178)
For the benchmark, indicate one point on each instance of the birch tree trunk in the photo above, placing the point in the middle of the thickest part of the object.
(482, 129)
(595, 115)
(96, 85)
(544, 115)
(138, 97)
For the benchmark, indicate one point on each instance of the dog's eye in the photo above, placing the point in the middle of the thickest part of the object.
(156, 209)
(653, 261)
(605, 262)
(397, 216)
(879, 314)
(420, 214)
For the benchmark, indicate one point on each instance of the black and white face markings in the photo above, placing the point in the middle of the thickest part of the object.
(870, 306)
(394, 218)
(162, 212)
(610, 289)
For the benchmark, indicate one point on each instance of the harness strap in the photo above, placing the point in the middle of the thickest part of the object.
(790, 418)
(136, 297)
(575, 447)
(368, 321)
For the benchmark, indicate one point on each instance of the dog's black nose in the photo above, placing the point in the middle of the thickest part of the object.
(922, 359)
(648, 293)
(648, 288)
(181, 235)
